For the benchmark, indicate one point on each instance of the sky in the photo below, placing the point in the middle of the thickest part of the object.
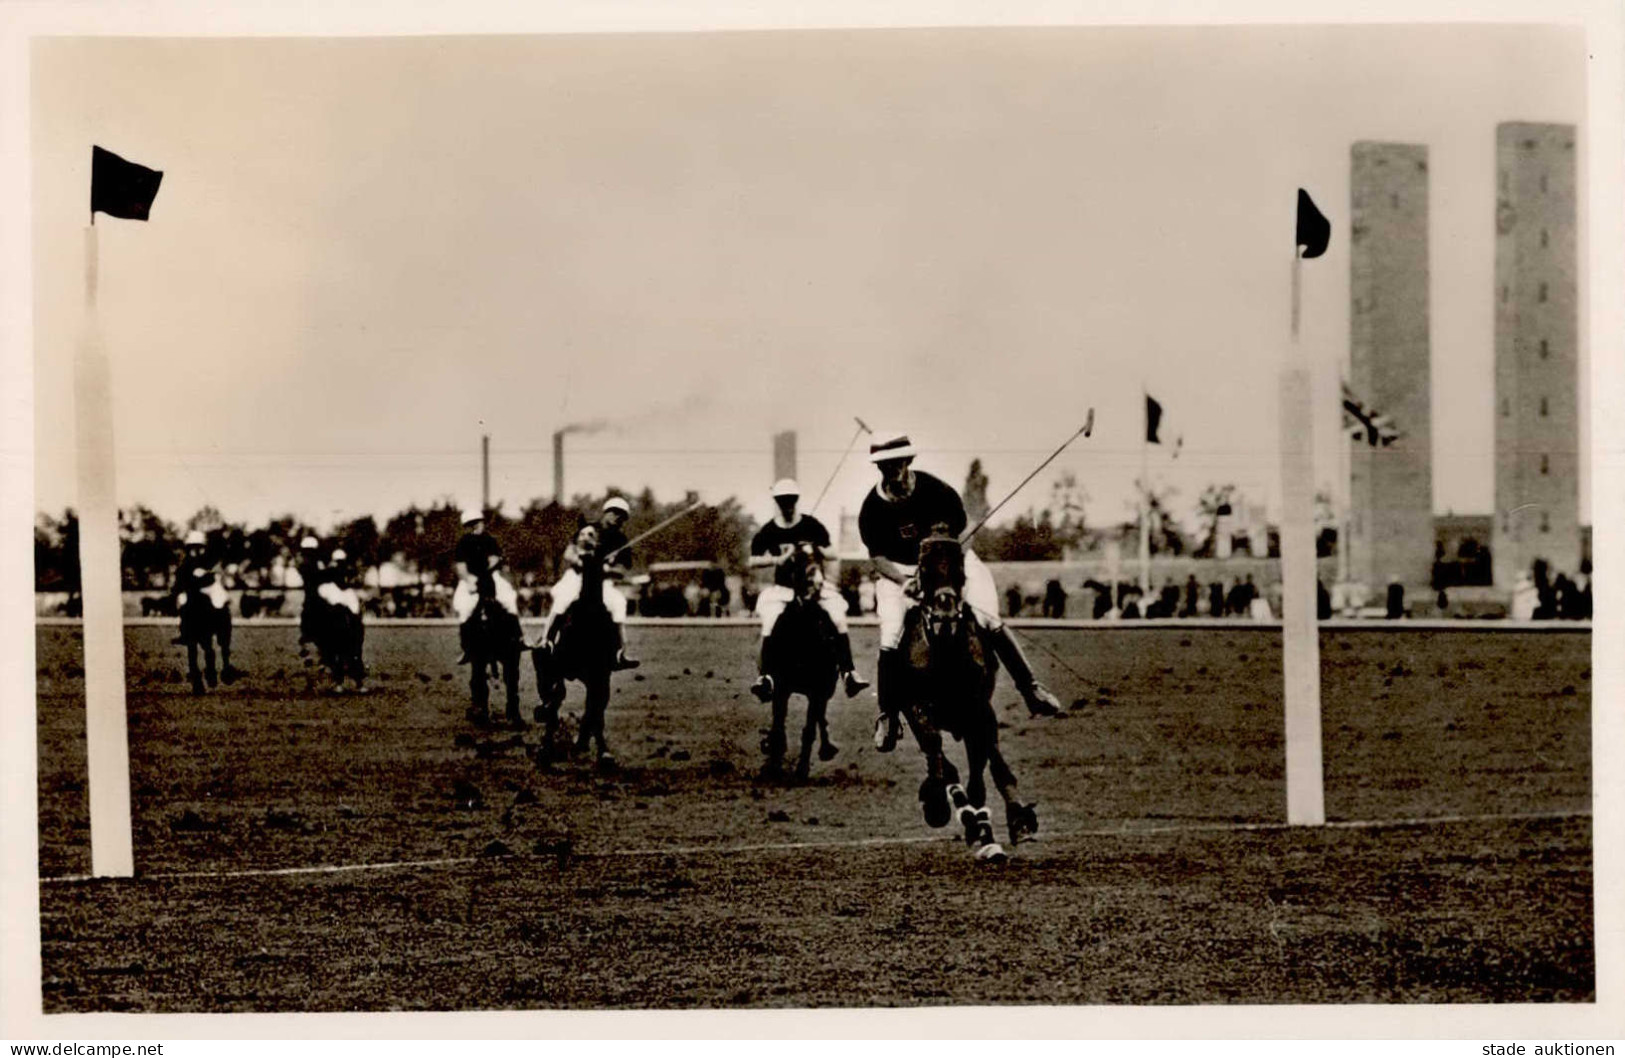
(368, 253)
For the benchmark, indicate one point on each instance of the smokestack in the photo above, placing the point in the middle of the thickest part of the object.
(558, 468)
(784, 454)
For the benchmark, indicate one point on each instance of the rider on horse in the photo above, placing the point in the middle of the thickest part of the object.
(338, 591)
(775, 545)
(612, 545)
(312, 572)
(902, 510)
(198, 576)
(478, 557)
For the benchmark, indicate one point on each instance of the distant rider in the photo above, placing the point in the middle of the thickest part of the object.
(612, 545)
(479, 560)
(775, 545)
(894, 519)
(312, 573)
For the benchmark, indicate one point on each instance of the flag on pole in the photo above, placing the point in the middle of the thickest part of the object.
(1365, 423)
(1153, 419)
(121, 188)
(1314, 230)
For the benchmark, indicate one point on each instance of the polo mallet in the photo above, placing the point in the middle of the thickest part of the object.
(647, 533)
(1084, 431)
(863, 428)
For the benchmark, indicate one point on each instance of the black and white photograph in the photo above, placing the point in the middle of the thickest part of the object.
(837, 518)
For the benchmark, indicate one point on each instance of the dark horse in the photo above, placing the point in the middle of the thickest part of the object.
(581, 646)
(492, 640)
(947, 672)
(341, 635)
(803, 657)
(203, 625)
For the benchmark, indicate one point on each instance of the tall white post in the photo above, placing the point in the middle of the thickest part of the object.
(1300, 631)
(101, 594)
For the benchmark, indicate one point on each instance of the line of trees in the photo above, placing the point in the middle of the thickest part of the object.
(420, 539)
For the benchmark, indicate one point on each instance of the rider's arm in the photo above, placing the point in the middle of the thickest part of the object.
(463, 572)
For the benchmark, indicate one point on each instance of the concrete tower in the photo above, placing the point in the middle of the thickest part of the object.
(1391, 488)
(784, 454)
(1537, 397)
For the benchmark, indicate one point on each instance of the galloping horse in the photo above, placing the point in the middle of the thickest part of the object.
(581, 646)
(802, 657)
(492, 640)
(204, 624)
(948, 673)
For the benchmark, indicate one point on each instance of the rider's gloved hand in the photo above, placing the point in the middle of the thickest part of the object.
(911, 587)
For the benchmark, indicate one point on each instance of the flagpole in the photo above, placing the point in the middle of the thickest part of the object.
(1145, 500)
(101, 596)
(1300, 632)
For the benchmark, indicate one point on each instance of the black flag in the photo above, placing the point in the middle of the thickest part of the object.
(1153, 419)
(119, 188)
(1314, 230)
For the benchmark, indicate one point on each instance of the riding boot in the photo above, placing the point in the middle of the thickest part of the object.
(855, 684)
(621, 660)
(763, 687)
(462, 643)
(888, 725)
(1040, 702)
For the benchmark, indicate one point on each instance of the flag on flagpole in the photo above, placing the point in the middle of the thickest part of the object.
(1365, 423)
(121, 188)
(1153, 419)
(1314, 230)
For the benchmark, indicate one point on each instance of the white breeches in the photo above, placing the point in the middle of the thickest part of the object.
(467, 596)
(775, 597)
(216, 593)
(334, 595)
(891, 605)
(568, 590)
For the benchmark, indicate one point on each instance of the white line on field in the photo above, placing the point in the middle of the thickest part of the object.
(1122, 830)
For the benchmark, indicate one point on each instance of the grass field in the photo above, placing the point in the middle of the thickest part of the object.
(1159, 875)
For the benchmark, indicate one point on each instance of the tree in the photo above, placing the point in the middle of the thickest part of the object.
(149, 545)
(56, 553)
(1213, 505)
(1165, 536)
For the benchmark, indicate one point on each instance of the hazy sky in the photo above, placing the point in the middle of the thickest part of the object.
(367, 253)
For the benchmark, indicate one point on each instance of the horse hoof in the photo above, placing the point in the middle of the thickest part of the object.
(992, 852)
(827, 751)
(1023, 820)
(935, 805)
(606, 763)
(197, 687)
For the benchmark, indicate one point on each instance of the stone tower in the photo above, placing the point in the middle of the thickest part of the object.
(1537, 415)
(1391, 488)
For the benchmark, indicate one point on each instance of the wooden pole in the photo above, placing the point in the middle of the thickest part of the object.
(485, 473)
(107, 736)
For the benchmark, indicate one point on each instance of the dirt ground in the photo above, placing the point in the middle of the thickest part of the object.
(682, 880)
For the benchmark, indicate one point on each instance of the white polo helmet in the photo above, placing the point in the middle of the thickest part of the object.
(472, 515)
(195, 538)
(889, 446)
(309, 543)
(786, 487)
(616, 503)
(339, 555)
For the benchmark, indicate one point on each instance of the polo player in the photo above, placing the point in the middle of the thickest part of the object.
(775, 545)
(479, 558)
(198, 575)
(612, 544)
(901, 511)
